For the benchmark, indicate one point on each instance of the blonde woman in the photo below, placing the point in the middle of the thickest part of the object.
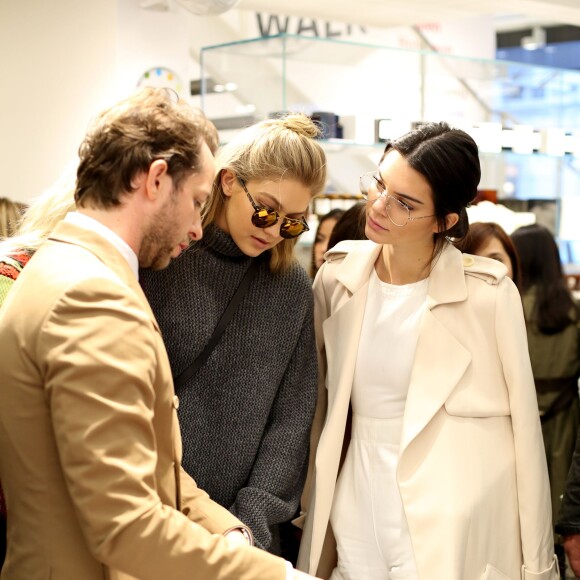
(246, 413)
(38, 221)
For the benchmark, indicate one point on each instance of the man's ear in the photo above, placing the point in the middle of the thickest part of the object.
(228, 180)
(157, 172)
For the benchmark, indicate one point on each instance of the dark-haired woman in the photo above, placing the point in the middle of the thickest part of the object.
(430, 462)
(324, 231)
(552, 324)
(350, 226)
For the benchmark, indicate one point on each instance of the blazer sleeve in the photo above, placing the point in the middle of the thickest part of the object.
(201, 509)
(531, 470)
(273, 491)
(101, 361)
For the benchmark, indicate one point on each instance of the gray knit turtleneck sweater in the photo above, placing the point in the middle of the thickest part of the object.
(246, 416)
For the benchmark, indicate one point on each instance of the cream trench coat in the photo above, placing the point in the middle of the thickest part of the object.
(472, 471)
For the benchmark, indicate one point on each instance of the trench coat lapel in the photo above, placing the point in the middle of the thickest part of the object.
(341, 337)
(440, 360)
(73, 234)
(342, 329)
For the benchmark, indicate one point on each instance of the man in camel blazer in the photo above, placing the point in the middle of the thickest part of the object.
(89, 439)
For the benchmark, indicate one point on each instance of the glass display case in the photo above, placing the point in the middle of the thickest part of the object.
(525, 118)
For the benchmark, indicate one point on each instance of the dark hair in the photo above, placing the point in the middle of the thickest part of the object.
(480, 233)
(125, 139)
(333, 214)
(448, 159)
(541, 268)
(351, 226)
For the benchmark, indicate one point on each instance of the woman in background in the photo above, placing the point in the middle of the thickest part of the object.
(38, 220)
(350, 226)
(325, 228)
(490, 240)
(552, 318)
(430, 463)
(246, 413)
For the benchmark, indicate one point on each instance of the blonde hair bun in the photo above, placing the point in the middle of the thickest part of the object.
(301, 124)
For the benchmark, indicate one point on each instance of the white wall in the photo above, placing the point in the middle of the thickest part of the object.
(57, 67)
(62, 61)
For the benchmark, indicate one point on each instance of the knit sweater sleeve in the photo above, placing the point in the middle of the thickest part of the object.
(275, 484)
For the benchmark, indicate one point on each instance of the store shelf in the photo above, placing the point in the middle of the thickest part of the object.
(362, 83)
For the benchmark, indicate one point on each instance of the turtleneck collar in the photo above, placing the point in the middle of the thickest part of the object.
(217, 240)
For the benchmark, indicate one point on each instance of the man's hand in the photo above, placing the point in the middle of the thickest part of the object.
(572, 547)
(237, 538)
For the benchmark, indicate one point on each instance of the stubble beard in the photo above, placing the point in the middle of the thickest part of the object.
(158, 245)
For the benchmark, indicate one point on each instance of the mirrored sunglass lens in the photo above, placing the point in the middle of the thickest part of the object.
(291, 229)
(264, 218)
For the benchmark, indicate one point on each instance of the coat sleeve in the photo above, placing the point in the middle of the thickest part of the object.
(531, 470)
(101, 361)
(321, 313)
(273, 491)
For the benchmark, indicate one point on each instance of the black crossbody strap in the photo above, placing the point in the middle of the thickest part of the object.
(220, 327)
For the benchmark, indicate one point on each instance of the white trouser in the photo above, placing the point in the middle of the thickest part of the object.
(367, 516)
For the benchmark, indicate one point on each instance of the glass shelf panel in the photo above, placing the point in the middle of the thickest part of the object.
(362, 83)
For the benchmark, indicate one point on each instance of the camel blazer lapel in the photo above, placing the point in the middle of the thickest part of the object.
(72, 234)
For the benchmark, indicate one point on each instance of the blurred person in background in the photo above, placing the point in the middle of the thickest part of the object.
(350, 226)
(38, 220)
(552, 319)
(326, 225)
(10, 215)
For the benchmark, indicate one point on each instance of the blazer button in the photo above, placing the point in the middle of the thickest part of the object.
(175, 402)
(468, 261)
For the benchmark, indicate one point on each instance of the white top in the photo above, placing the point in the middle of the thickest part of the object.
(89, 223)
(387, 346)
